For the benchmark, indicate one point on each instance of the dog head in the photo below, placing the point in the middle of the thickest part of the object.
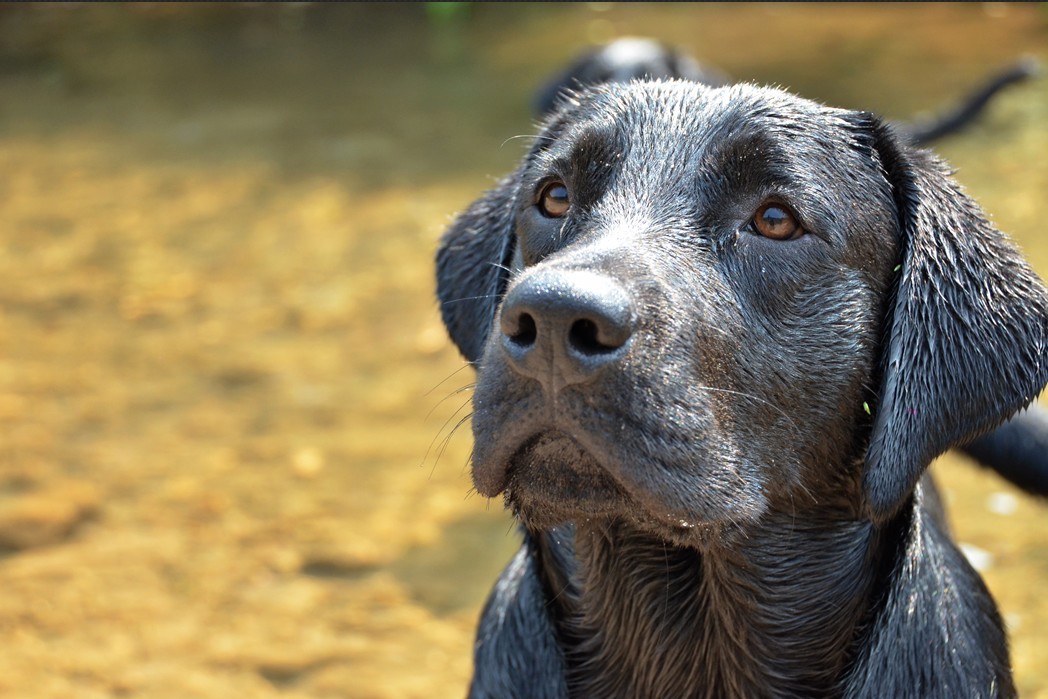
(689, 305)
(623, 60)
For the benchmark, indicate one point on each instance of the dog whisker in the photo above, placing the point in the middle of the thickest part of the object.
(499, 265)
(531, 137)
(446, 439)
(445, 380)
(471, 298)
(451, 394)
(754, 398)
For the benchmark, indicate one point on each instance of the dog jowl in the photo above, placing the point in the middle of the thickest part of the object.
(720, 333)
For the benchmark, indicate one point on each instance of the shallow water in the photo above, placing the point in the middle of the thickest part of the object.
(227, 466)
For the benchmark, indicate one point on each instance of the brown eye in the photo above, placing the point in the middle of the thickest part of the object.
(777, 222)
(553, 200)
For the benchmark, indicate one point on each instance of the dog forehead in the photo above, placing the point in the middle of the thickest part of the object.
(676, 122)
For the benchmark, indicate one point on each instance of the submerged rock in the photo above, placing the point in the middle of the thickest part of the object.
(46, 516)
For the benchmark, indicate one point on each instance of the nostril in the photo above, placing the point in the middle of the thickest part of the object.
(586, 337)
(583, 337)
(525, 333)
(563, 326)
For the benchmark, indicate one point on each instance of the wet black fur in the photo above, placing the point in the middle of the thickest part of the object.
(717, 514)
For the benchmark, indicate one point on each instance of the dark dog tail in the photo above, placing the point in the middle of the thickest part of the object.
(1017, 450)
(923, 133)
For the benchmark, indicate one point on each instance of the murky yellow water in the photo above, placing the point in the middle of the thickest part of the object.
(225, 394)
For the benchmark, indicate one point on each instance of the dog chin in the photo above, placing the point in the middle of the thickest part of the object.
(553, 472)
(552, 480)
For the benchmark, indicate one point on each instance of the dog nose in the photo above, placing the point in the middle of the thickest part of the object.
(565, 323)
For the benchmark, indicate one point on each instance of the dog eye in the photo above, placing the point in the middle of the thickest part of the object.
(553, 200)
(777, 222)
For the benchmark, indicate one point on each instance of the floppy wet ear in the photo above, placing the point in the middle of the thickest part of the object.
(473, 265)
(966, 331)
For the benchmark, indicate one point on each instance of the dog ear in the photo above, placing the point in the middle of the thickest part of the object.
(966, 332)
(473, 265)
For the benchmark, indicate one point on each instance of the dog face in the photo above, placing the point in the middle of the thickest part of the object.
(679, 304)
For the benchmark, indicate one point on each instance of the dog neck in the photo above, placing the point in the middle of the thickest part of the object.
(775, 613)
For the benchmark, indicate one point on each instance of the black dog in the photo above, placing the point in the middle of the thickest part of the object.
(720, 335)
